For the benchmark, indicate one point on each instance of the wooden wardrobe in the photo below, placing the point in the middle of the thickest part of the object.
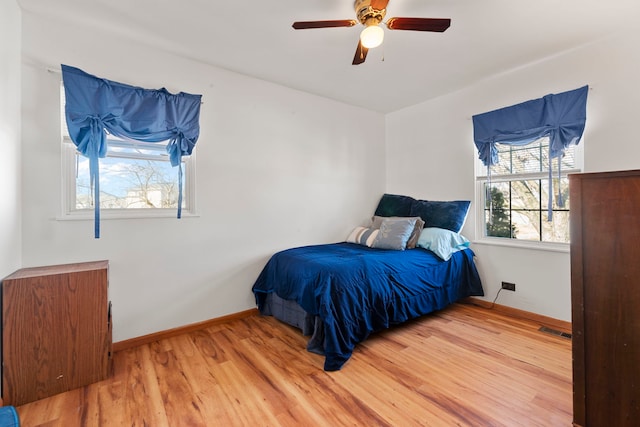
(605, 295)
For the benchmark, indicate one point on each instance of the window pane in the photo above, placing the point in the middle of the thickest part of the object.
(530, 158)
(518, 211)
(525, 194)
(558, 229)
(569, 159)
(498, 215)
(504, 162)
(138, 149)
(500, 197)
(129, 184)
(527, 225)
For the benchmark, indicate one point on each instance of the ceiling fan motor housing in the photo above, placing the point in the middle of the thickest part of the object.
(366, 14)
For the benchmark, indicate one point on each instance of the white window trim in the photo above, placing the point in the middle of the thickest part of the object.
(69, 193)
(481, 178)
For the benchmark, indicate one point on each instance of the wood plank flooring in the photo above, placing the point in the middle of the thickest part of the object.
(463, 366)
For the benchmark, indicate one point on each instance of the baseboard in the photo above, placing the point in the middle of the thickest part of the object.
(560, 325)
(550, 322)
(146, 339)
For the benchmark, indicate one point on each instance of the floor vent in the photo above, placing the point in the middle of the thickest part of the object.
(555, 332)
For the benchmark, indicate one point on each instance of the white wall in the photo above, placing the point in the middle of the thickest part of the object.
(10, 36)
(275, 168)
(430, 153)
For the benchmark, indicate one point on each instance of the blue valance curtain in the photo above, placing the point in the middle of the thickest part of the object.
(95, 105)
(561, 117)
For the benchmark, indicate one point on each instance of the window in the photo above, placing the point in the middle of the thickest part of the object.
(136, 179)
(517, 143)
(514, 203)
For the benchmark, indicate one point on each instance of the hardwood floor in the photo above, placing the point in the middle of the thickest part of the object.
(463, 366)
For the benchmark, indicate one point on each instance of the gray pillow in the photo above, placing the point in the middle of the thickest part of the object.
(394, 233)
(417, 229)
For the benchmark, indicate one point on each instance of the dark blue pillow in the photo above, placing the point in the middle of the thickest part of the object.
(394, 205)
(447, 215)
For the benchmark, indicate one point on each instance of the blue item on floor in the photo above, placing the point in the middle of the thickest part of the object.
(9, 417)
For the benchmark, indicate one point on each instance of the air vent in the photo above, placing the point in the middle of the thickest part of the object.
(555, 332)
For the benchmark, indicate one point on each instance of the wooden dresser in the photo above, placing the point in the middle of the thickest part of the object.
(605, 295)
(56, 330)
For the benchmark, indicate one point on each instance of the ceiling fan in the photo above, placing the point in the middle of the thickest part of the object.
(370, 14)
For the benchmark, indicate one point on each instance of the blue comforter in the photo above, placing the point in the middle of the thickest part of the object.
(357, 290)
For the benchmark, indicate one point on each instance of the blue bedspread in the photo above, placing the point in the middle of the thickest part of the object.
(357, 290)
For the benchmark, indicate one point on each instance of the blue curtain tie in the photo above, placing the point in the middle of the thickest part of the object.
(180, 191)
(560, 198)
(95, 148)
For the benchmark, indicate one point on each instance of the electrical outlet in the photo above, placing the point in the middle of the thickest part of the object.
(509, 286)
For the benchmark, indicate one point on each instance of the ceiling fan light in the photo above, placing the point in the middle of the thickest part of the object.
(372, 36)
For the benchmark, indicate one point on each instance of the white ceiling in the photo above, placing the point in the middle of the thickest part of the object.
(255, 38)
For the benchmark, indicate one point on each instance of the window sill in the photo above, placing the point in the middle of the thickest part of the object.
(123, 214)
(524, 244)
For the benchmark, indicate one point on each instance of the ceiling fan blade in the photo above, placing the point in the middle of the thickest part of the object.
(361, 54)
(419, 24)
(303, 25)
(379, 4)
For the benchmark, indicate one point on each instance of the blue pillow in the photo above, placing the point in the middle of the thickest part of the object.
(447, 215)
(442, 242)
(394, 233)
(394, 205)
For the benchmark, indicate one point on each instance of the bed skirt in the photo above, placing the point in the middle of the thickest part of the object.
(291, 313)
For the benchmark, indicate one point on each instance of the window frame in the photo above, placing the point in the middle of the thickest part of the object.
(480, 199)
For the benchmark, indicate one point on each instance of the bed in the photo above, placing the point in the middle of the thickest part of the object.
(340, 293)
